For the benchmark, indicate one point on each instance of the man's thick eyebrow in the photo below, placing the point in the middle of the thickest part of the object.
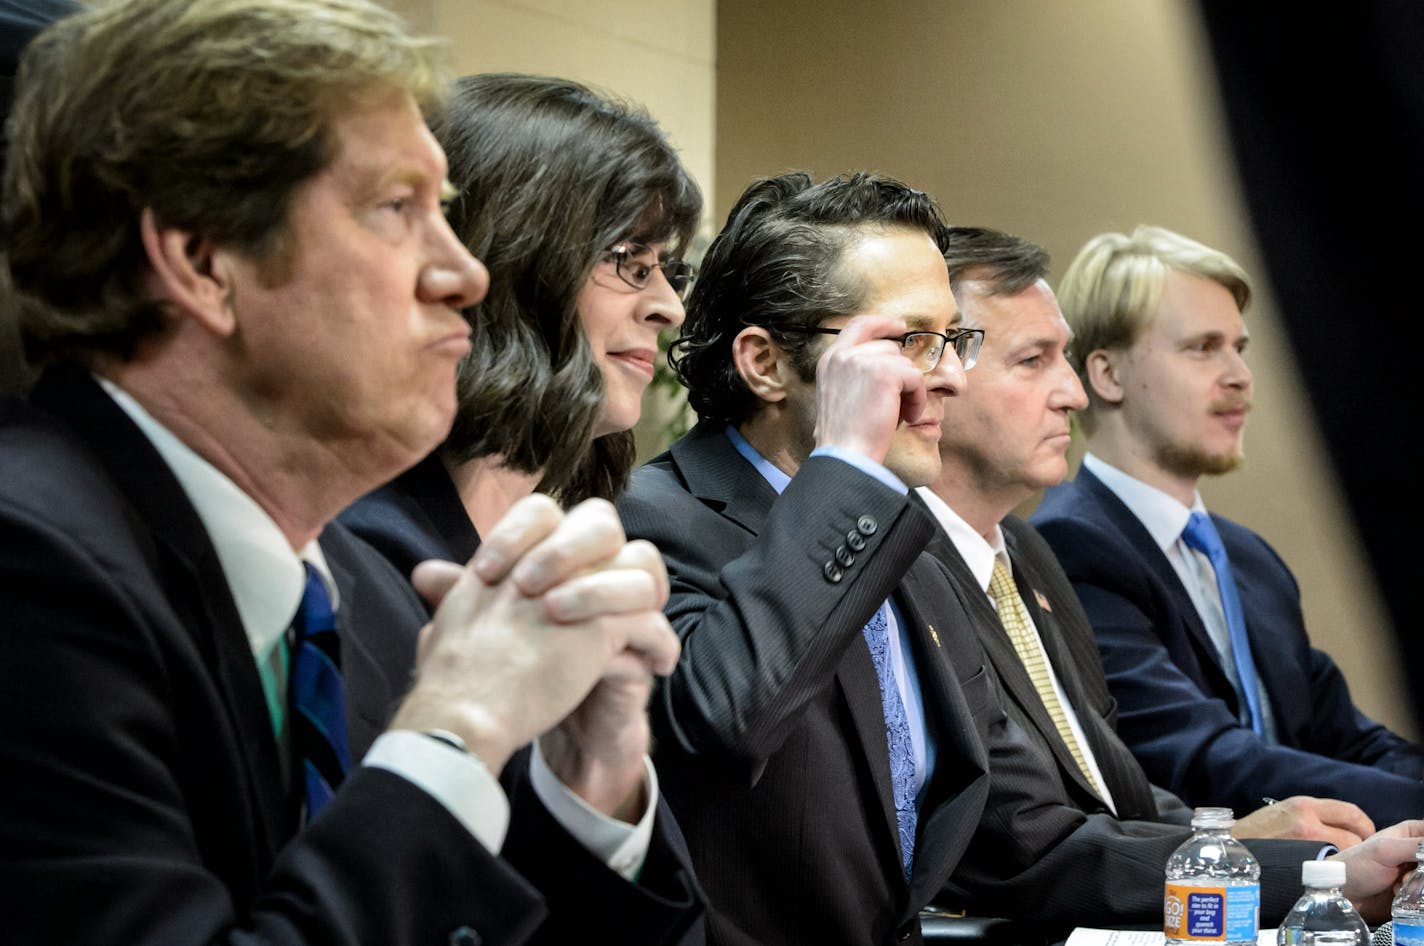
(922, 323)
(405, 175)
(1210, 335)
(1039, 343)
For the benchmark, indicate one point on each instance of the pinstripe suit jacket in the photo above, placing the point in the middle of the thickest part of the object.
(770, 734)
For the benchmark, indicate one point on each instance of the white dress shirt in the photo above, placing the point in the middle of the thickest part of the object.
(267, 578)
(1164, 517)
(980, 554)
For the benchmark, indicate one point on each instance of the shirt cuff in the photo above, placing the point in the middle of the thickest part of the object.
(865, 465)
(457, 780)
(622, 846)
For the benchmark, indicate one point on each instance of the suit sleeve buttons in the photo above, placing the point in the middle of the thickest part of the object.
(844, 557)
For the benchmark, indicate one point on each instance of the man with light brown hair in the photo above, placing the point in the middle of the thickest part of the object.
(1220, 695)
(225, 222)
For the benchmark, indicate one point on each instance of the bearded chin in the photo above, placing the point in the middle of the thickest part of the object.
(1191, 461)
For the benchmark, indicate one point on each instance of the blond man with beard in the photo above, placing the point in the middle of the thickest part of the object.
(1220, 695)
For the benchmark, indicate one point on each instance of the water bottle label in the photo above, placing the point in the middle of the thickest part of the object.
(1212, 914)
(1408, 934)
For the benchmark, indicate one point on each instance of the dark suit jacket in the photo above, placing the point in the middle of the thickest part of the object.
(1068, 641)
(1047, 854)
(419, 516)
(771, 736)
(1178, 710)
(142, 795)
(416, 516)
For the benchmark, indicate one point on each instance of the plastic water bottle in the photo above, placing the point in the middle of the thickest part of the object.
(1213, 886)
(1408, 906)
(1322, 916)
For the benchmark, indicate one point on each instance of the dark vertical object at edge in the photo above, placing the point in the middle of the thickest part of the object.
(1326, 111)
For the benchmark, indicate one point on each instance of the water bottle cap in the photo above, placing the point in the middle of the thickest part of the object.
(1212, 818)
(1323, 873)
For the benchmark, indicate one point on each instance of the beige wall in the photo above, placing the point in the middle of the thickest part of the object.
(1056, 121)
(657, 54)
(660, 54)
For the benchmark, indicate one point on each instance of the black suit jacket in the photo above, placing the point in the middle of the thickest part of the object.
(772, 738)
(419, 516)
(142, 799)
(1178, 710)
(1068, 641)
(1047, 854)
(415, 517)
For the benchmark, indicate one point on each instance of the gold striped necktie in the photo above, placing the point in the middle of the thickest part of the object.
(1014, 617)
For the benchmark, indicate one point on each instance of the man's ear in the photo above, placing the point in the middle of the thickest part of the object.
(1104, 369)
(190, 273)
(764, 365)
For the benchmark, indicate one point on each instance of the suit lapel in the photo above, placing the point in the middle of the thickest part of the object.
(1051, 636)
(934, 611)
(1276, 666)
(1152, 555)
(723, 479)
(1131, 792)
(860, 689)
(1012, 673)
(437, 504)
(369, 699)
(192, 577)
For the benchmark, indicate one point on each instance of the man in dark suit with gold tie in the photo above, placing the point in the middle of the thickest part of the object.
(1008, 438)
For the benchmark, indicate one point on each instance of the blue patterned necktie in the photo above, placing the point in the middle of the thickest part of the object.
(1201, 535)
(318, 708)
(897, 735)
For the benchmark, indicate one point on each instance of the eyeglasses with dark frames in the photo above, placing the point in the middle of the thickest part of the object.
(925, 349)
(635, 263)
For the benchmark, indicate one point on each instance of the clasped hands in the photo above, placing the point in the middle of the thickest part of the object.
(553, 631)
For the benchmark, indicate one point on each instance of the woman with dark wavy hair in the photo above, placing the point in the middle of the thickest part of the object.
(581, 210)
